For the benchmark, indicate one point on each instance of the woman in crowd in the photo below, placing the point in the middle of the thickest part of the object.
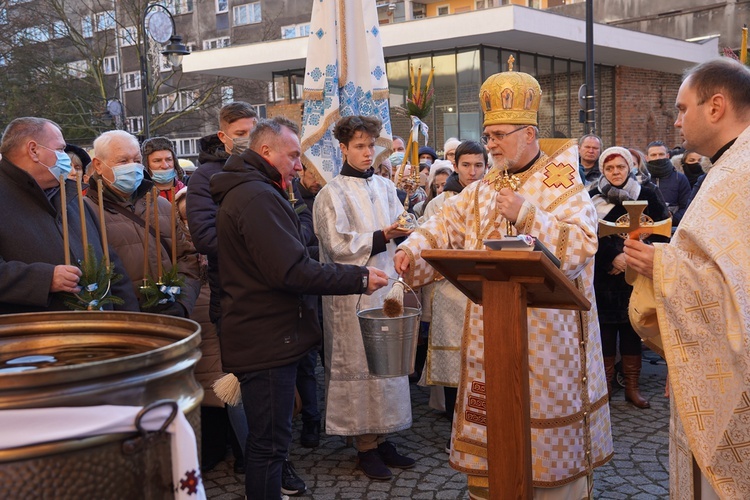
(616, 185)
(162, 166)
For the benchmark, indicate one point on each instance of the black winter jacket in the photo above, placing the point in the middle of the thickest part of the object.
(269, 314)
(612, 291)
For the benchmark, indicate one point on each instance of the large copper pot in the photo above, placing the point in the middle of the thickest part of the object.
(92, 358)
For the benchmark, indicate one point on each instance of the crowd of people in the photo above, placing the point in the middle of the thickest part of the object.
(273, 263)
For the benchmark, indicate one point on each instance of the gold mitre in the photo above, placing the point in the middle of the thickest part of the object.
(511, 98)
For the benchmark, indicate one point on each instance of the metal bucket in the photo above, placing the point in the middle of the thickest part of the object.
(390, 343)
(89, 358)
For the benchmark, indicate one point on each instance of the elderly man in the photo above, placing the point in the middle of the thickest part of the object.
(33, 273)
(269, 317)
(699, 287)
(589, 149)
(117, 163)
(541, 196)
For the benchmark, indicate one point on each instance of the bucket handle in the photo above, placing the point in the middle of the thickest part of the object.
(156, 404)
(405, 284)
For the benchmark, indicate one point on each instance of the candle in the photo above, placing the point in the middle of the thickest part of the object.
(411, 78)
(429, 78)
(418, 89)
(400, 171)
(174, 227)
(64, 209)
(84, 235)
(743, 47)
(146, 237)
(102, 225)
(157, 245)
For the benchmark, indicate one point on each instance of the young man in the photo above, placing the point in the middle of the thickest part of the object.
(355, 216)
(269, 314)
(699, 285)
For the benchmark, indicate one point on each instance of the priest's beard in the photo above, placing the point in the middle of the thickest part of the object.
(511, 164)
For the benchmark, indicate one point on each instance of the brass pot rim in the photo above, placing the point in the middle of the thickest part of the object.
(183, 335)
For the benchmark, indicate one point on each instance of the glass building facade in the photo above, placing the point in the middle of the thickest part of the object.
(460, 73)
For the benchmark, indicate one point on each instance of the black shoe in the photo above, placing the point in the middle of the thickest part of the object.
(291, 483)
(392, 458)
(371, 463)
(239, 466)
(310, 437)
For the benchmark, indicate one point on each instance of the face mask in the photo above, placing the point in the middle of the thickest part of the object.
(163, 176)
(62, 166)
(240, 145)
(127, 177)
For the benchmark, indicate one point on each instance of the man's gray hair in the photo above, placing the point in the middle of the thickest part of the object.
(268, 131)
(21, 130)
(103, 142)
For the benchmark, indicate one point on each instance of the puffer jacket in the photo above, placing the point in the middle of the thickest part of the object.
(126, 238)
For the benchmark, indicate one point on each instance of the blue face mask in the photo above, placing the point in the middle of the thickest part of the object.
(127, 177)
(62, 166)
(163, 176)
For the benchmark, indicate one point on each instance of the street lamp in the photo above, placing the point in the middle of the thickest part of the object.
(161, 27)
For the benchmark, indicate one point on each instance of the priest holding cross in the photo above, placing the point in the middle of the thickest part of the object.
(533, 188)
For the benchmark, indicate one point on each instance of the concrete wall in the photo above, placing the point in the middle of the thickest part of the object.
(681, 19)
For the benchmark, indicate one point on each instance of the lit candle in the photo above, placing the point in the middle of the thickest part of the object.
(84, 235)
(157, 245)
(102, 225)
(146, 237)
(174, 227)
(64, 208)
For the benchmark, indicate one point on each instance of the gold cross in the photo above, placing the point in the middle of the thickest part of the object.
(727, 250)
(716, 479)
(636, 226)
(681, 345)
(561, 175)
(746, 404)
(722, 208)
(701, 306)
(733, 447)
(698, 413)
(719, 375)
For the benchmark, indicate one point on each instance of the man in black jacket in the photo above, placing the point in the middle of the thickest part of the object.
(33, 273)
(269, 319)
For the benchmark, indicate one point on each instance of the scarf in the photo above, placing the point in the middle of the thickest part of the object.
(609, 196)
(660, 168)
(350, 171)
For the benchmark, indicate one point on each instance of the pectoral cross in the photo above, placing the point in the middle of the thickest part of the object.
(635, 225)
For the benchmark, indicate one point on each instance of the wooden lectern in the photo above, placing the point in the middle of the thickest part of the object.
(506, 283)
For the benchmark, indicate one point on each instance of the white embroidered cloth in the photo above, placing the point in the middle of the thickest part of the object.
(344, 76)
(43, 425)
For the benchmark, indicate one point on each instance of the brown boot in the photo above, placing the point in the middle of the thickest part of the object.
(609, 372)
(631, 369)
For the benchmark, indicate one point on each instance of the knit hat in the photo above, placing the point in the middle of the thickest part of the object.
(440, 166)
(427, 150)
(450, 144)
(160, 144)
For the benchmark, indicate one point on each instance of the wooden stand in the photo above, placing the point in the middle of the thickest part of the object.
(507, 283)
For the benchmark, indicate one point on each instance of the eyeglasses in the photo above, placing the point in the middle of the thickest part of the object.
(498, 137)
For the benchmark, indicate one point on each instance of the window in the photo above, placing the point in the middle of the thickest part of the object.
(222, 6)
(246, 14)
(87, 27)
(128, 36)
(176, 102)
(105, 20)
(443, 10)
(59, 29)
(295, 30)
(3, 16)
(260, 109)
(78, 69)
(134, 124)
(216, 43)
(484, 4)
(275, 91)
(186, 147)
(32, 34)
(131, 81)
(227, 95)
(178, 7)
(110, 65)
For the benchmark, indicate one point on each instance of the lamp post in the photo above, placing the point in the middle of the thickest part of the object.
(161, 27)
